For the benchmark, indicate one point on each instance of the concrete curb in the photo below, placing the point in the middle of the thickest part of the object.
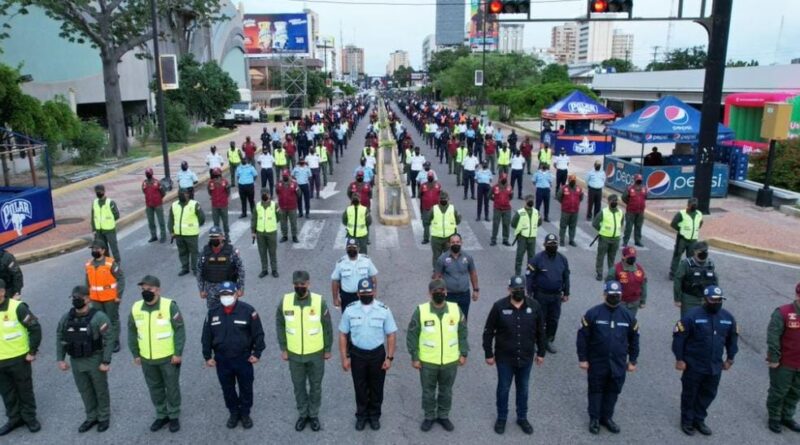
(390, 220)
(790, 210)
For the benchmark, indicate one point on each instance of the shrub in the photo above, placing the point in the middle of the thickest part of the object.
(784, 169)
(90, 142)
(178, 124)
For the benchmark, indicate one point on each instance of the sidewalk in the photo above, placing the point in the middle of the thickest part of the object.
(734, 224)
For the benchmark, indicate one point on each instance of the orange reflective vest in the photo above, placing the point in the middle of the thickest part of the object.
(102, 284)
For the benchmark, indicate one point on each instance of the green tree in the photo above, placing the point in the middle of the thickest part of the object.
(177, 122)
(555, 72)
(530, 100)
(346, 88)
(740, 63)
(315, 87)
(785, 167)
(442, 60)
(402, 76)
(619, 65)
(681, 59)
(206, 90)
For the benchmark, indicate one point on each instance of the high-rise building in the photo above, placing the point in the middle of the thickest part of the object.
(594, 42)
(450, 16)
(564, 43)
(352, 62)
(428, 48)
(511, 37)
(622, 45)
(396, 60)
(313, 29)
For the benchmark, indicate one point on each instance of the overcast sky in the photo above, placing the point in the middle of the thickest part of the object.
(756, 31)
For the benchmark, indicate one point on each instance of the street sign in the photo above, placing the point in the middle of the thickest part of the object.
(169, 72)
(478, 78)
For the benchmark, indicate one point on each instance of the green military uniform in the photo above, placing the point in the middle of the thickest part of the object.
(20, 335)
(104, 224)
(357, 220)
(439, 373)
(608, 223)
(184, 224)
(525, 222)
(234, 160)
(442, 227)
(687, 224)
(164, 324)
(264, 227)
(306, 363)
(783, 348)
(633, 306)
(109, 307)
(86, 356)
(689, 282)
(10, 273)
(461, 154)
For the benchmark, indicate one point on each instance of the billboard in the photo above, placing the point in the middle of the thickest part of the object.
(24, 212)
(477, 14)
(667, 181)
(276, 34)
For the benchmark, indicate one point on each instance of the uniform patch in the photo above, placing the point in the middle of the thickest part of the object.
(507, 311)
(254, 315)
(215, 318)
(584, 323)
(104, 327)
(679, 327)
(177, 317)
(288, 313)
(429, 323)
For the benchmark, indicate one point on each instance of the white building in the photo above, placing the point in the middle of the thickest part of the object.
(428, 48)
(594, 41)
(564, 43)
(621, 45)
(396, 60)
(511, 35)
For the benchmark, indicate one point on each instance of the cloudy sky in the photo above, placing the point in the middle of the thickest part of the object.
(382, 26)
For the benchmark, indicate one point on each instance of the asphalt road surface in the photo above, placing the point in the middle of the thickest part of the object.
(648, 408)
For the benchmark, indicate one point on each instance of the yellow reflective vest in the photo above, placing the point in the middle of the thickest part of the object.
(103, 216)
(357, 221)
(233, 157)
(503, 157)
(690, 227)
(323, 153)
(461, 153)
(13, 334)
(280, 157)
(438, 338)
(545, 156)
(611, 224)
(154, 331)
(266, 219)
(443, 225)
(528, 225)
(303, 325)
(185, 222)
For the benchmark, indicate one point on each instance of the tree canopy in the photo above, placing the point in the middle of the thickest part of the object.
(206, 90)
(619, 65)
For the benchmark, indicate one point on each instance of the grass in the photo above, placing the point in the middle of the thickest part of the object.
(153, 148)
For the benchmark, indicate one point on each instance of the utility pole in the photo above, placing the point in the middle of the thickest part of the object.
(483, 13)
(655, 53)
(162, 121)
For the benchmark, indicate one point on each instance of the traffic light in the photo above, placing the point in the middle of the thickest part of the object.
(612, 6)
(508, 6)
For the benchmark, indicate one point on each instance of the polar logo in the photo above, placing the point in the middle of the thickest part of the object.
(584, 148)
(582, 108)
(658, 182)
(648, 113)
(676, 115)
(610, 169)
(14, 213)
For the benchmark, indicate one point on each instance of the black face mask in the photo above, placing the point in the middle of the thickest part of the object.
(712, 308)
(692, 208)
(182, 199)
(78, 303)
(360, 179)
(285, 179)
(613, 300)
(96, 254)
(148, 296)
(529, 203)
(215, 242)
(518, 295)
(430, 179)
(503, 181)
(612, 205)
(354, 202)
(265, 198)
(442, 203)
(455, 248)
(366, 299)
(639, 182)
(551, 250)
(631, 260)
(99, 195)
(184, 167)
(597, 168)
(300, 291)
(572, 184)
(148, 176)
(702, 256)
(438, 297)
(352, 253)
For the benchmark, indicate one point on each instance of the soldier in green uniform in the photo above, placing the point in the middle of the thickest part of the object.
(85, 334)
(783, 359)
(443, 220)
(20, 336)
(437, 351)
(156, 336)
(525, 222)
(11, 274)
(305, 336)
(104, 220)
(687, 223)
(693, 276)
(185, 219)
(264, 227)
(608, 224)
(357, 219)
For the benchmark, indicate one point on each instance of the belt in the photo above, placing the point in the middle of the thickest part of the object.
(359, 351)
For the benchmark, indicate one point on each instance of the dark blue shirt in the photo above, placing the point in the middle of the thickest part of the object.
(233, 335)
(546, 274)
(700, 337)
(608, 339)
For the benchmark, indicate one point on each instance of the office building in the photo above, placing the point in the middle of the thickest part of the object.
(352, 62)
(450, 17)
(396, 60)
(564, 43)
(428, 48)
(594, 41)
(622, 45)
(511, 37)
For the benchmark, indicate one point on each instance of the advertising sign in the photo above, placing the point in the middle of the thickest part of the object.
(667, 181)
(794, 123)
(24, 212)
(477, 15)
(588, 144)
(276, 34)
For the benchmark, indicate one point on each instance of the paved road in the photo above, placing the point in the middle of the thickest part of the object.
(648, 409)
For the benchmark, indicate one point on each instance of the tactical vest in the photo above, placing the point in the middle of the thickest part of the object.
(154, 330)
(219, 267)
(698, 277)
(78, 338)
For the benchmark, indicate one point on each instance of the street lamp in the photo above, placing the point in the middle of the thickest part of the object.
(166, 181)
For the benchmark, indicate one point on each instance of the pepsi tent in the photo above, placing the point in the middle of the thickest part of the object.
(577, 106)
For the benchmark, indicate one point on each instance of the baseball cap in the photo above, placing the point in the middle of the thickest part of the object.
(150, 280)
(551, 238)
(437, 284)
(612, 287)
(80, 291)
(351, 242)
(516, 282)
(365, 285)
(99, 244)
(713, 293)
(215, 231)
(227, 287)
(300, 276)
(628, 251)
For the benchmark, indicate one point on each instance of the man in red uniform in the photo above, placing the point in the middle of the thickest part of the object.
(633, 279)
(153, 200)
(219, 190)
(288, 195)
(291, 151)
(570, 197)
(490, 149)
(526, 148)
(502, 193)
(328, 144)
(783, 359)
(428, 197)
(452, 146)
(634, 197)
(361, 189)
(249, 149)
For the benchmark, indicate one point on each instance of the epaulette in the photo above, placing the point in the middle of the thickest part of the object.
(381, 304)
(352, 303)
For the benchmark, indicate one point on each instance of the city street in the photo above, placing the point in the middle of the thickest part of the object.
(648, 409)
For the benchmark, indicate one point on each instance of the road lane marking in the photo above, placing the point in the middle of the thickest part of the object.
(309, 234)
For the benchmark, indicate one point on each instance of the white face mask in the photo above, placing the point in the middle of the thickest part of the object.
(227, 300)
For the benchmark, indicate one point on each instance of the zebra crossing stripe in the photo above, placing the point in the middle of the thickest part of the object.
(468, 239)
(341, 237)
(488, 226)
(309, 234)
(386, 238)
(238, 229)
(663, 240)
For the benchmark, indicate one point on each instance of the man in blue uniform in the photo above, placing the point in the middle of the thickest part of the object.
(367, 343)
(349, 270)
(608, 346)
(548, 283)
(697, 342)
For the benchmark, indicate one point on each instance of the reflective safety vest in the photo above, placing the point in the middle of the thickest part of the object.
(102, 284)
(185, 219)
(13, 334)
(545, 156)
(690, 227)
(266, 219)
(357, 221)
(323, 153)
(611, 225)
(504, 157)
(461, 153)
(233, 156)
(303, 325)
(280, 157)
(103, 216)
(443, 224)
(154, 330)
(528, 225)
(438, 339)
(408, 156)
(295, 128)
(368, 151)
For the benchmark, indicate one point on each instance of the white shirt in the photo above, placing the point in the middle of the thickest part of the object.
(561, 162)
(214, 160)
(370, 162)
(517, 163)
(462, 128)
(312, 161)
(416, 162)
(488, 130)
(469, 163)
(265, 160)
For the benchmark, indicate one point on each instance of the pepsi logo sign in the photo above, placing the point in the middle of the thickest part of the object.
(658, 182)
(648, 113)
(676, 115)
(610, 169)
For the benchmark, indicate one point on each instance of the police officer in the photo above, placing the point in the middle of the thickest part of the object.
(20, 336)
(513, 333)
(219, 262)
(264, 227)
(288, 198)
(156, 336)
(443, 220)
(693, 276)
(305, 335)
(525, 222)
(547, 278)
(219, 191)
(104, 220)
(11, 274)
(357, 219)
(185, 219)
(457, 269)
(635, 198)
(633, 279)
(234, 159)
(570, 196)
(85, 334)
(783, 359)
(369, 327)
(187, 179)
(437, 342)
(697, 342)
(606, 353)
(348, 272)
(106, 284)
(233, 332)
(687, 223)
(361, 189)
(608, 224)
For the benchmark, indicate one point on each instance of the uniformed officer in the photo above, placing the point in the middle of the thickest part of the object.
(687, 223)
(264, 227)
(635, 198)
(234, 160)
(437, 342)
(547, 278)
(348, 272)
(219, 262)
(457, 269)
(11, 274)
(185, 219)
(233, 332)
(525, 222)
(443, 220)
(106, 284)
(104, 220)
(513, 333)
(608, 224)
(305, 336)
(429, 192)
(20, 336)
(219, 191)
(85, 334)
(697, 342)
(367, 344)
(501, 194)
(608, 346)
(783, 359)
(357, 220)
(570, 196)
(633, 279)
(154, 192)
(693, 276)
(156, 336)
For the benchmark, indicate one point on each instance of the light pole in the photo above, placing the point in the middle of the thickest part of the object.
(167, 181)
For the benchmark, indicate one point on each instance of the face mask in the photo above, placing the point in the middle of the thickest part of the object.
(702, 255)
(215, 242)
(551, 249)
(148, 296)
(572, 184)
(78, 303)
(503, 181)
(359, 179)
(227, 300)
(265, 198)
(692, 208)
(148, 176)
(352, 253)
(182, 199)
(438, 297)
(613, 300)
(184, 167)
(712, 308)
(518, 295)
(442, 203)
(430, 179)
(597, 168)
(285, 179)
(612, 205)
(96, 254)
(300, 291)
(631, 260)
(366, 299)
(639, 182)
(354, 202)
(100, 195)
(529, 203)
(455, 248)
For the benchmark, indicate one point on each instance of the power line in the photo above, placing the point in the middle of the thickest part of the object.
(406, 3)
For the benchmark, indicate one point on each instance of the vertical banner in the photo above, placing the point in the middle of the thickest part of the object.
(477, 15)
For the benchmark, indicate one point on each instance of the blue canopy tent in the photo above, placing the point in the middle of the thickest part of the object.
(578, 111)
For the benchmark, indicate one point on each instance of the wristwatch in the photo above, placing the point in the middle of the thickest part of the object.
(476, 289)
(390, 358)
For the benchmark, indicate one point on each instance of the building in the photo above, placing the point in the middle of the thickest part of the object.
(352, 62)
(511, 35)
(396, 60)
(621, 45)
(796, 61)
(594, 41)
(428, 48)
(450, 16)
(564, 43)
(313, 30)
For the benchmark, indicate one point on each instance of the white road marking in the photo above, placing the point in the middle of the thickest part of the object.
(325, 212)
(341, 236)
(468, 238)
(664, 241)
(757, 260)
(328, 190)
(238, 229)
(488, 226)
(386, 238)
(309, 234)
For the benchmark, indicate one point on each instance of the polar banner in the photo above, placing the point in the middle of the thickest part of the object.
(24, 212)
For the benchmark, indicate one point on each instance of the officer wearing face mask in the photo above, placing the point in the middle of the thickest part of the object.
(360, 188)
(502, 194)
(106, 284)
(694, 275)
(104, 220)
(349, 271)
(608, 347)
(525, 222)
(154, 192)
(84, 333)
(698, 341)
(633, 279)
(187, 179)
(264, 229)
(185, 219)
(443, 220)
(570, 197)
(219, 262)
(687, 223)
(356, 218)
(608, 224)
(233, 340)
(548, 283)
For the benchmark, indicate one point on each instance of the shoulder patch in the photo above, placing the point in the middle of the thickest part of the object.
(584, 323)
(679, 327)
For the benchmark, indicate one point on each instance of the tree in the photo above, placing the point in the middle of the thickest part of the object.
(185, 17)
(530, 100)
(442, 60)
(619, 65)
(315, 87)
(681, 59)
(784, 169)
(555, 72)
(402, 76)
(741, 63)
(206, 89)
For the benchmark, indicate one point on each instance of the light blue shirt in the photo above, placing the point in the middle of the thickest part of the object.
(483, 176)
(348, 272)
(470, 133)
(368, 173)
(367, 328)
(186, 179)
(301, 174)
(276, 137)
(340, 133)
(498, 135)
(246, 174)
(596, 179)
(422, 176)
(543, 179)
